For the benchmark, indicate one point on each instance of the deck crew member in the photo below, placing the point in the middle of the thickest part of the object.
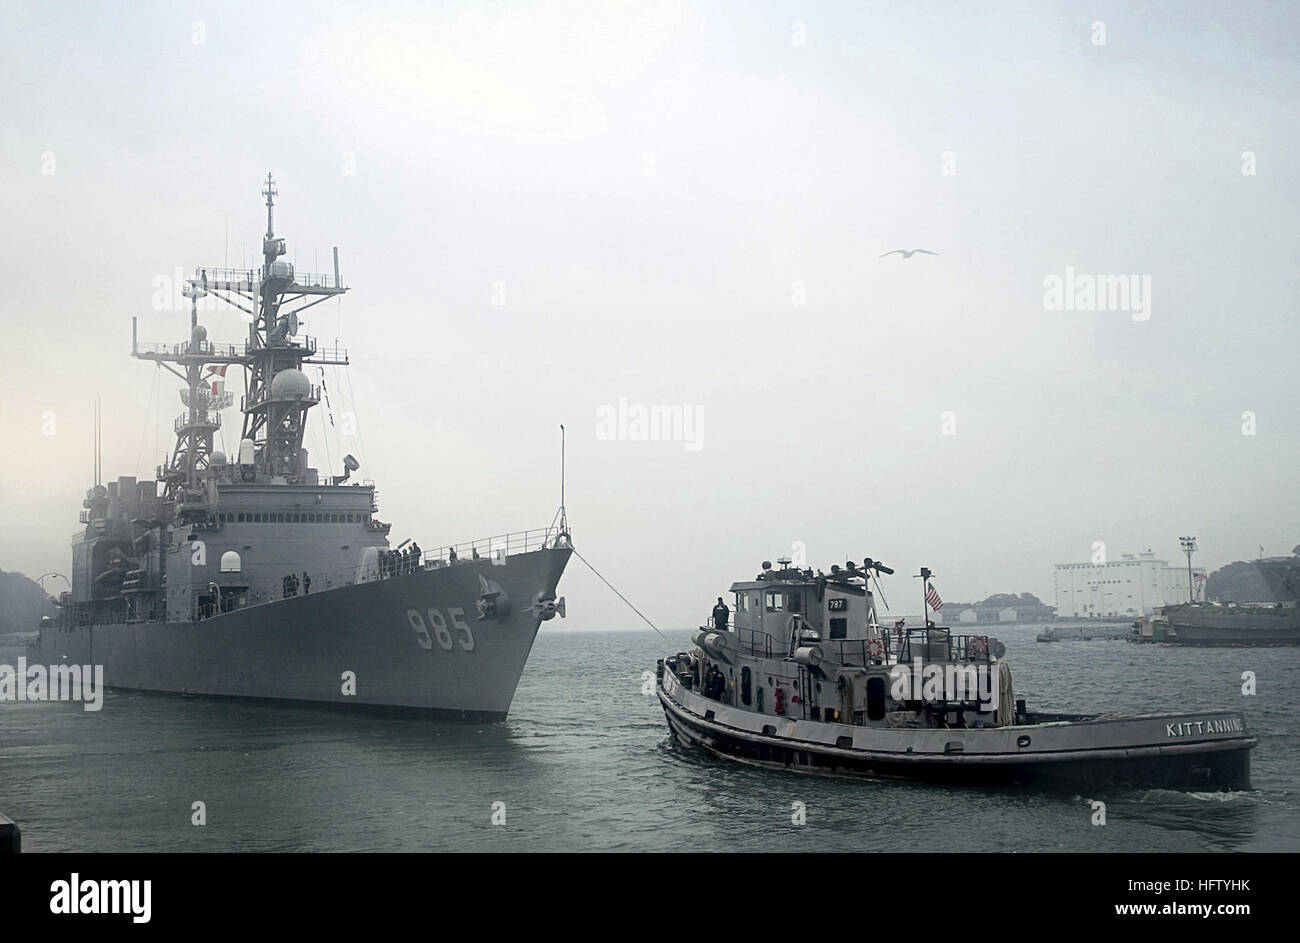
(721, 615)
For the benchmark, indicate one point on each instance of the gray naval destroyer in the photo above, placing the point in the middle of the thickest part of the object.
(257, 576)
(805, 679)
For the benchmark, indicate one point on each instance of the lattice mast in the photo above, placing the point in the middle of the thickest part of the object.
(275, 414)
(278, 395)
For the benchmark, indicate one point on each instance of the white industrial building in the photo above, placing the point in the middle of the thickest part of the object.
(1131, 586)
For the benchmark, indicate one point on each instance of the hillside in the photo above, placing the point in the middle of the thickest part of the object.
(20, 603)
(1237, 582)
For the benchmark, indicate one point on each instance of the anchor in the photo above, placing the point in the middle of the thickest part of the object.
(493, 603)
(545, 606)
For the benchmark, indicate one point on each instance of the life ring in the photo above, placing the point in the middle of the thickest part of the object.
(875, 647)
(979, 645)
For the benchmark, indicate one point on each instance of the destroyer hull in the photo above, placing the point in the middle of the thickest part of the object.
(1198, 624)
(1229, 635)
(413, 641)
(1178, 751)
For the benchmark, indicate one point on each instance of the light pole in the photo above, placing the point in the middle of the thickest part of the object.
(1189, 547)
(40, 581)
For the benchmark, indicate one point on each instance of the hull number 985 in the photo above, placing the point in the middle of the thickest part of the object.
(449, 632)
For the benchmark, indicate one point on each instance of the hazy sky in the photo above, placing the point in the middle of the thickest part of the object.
(542, 208)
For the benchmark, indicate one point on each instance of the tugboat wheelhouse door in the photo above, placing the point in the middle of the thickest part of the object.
(875, 698)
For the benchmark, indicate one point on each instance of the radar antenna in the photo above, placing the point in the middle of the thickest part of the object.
(275, 413)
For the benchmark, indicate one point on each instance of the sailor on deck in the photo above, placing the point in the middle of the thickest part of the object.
(721, 615)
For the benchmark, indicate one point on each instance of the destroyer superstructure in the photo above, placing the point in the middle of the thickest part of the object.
(257, 575)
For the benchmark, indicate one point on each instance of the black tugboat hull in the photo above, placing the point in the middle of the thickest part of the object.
(1198, 765)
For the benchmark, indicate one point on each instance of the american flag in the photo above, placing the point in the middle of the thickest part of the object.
(933, 598)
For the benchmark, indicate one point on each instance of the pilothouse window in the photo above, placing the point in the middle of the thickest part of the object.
(791, 601)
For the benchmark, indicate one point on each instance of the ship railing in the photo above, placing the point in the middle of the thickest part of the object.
(306, 344)
(313, 280)
(192, 349)
(751, 641)
(926, 644)
(320, 582)
(939, 644)
(846, 651)
(245, 277)
(525, 541)
(851, 651)
(509, 545)
(225, 277)
(755, 642)
(495, 548)
(245, 404)
(211, 420)
(328, 353)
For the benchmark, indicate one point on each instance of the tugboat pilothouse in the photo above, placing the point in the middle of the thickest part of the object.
(255, 575)
(805, 678)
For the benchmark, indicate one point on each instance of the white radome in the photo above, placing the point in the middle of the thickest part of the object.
(290, 384)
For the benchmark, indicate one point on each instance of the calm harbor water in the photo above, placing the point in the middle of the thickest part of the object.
(585, 763)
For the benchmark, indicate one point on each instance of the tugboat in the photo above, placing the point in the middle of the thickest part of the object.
(807, 680)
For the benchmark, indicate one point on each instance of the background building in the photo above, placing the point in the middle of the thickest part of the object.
(1131, 586)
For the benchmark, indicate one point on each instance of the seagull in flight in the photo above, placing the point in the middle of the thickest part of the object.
(908, 253)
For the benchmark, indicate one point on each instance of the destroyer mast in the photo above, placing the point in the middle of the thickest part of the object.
(277, 394)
